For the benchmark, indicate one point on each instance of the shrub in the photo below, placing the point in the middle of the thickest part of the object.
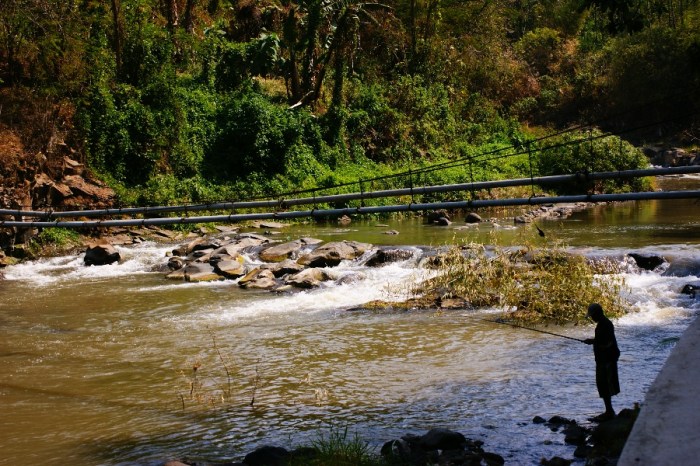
(533, 285)
(580, 153)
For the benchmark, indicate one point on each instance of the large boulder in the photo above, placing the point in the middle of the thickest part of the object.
(331, 254)
(101, 253)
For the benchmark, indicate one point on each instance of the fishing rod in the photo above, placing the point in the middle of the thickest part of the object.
(503, 322)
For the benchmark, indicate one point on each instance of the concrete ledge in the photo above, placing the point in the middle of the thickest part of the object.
(667, 431)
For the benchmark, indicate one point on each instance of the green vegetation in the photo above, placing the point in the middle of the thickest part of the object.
(53, 241)
(192, 100)
(533, 285)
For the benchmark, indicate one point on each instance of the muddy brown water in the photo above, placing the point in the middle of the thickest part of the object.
(98, 364)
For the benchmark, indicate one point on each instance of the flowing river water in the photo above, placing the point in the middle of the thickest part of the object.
(115, 365)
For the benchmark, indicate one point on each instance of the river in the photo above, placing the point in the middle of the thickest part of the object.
(114, 365)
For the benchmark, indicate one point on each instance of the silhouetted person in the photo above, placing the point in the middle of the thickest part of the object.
(606, 355)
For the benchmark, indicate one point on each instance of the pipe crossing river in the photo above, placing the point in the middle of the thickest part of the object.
(282, 204)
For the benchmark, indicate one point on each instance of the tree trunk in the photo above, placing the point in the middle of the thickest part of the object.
(171, 14)
(118, 42)
(188, 23)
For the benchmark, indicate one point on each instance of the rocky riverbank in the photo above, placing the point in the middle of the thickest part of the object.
(598, 444)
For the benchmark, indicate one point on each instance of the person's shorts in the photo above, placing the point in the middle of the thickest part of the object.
(606, 379)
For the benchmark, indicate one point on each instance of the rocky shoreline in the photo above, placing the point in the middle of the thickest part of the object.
(597, 443)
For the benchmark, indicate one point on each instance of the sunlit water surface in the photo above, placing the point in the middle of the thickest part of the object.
(98, 363)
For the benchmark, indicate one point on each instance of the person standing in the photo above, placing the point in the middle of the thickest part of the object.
(606, 354)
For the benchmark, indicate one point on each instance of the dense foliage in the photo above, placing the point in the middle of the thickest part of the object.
(193, 99)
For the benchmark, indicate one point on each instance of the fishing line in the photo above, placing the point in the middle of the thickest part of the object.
(503, 322)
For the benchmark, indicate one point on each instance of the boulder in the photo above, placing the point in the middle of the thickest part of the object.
(472, 218)
(280, 252)
(385, 256)
(647, 262)
(344, 220)
(280, 269)
(442, 221)
(102, 253)
(442, 439)
(243, 244)
(230, 268)
(690, 289)
(308, 278)
(331, 254)
(267, 456)
(437, 215)
(258, 279)
(200, 272)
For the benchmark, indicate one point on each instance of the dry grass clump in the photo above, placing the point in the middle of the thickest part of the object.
(533, 285)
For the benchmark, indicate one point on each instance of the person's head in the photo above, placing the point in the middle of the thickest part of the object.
(595, 312)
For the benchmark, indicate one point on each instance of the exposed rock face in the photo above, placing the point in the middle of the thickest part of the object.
(101, 253)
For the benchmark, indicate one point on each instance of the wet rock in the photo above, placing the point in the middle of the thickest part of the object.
(442, 439)
(472, 217)
(269, 224)
(442, 221)
(280, 252)
(575, 434)
(391, 232)
(258, 279)
(556, 461)
(493, 459)
(609, 437)
(200, 272)
(690, 289)
(331, 254)
(286, 267)
(230, 268)
(267, 456)
(436, 215)
(385, 256)
(344, 220)
(538, 420)
(560, 421)
(102, 253)
(647, 262)
(308, 278)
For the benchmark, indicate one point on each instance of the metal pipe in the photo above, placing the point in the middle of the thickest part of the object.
(360, 210)
(282, 203)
